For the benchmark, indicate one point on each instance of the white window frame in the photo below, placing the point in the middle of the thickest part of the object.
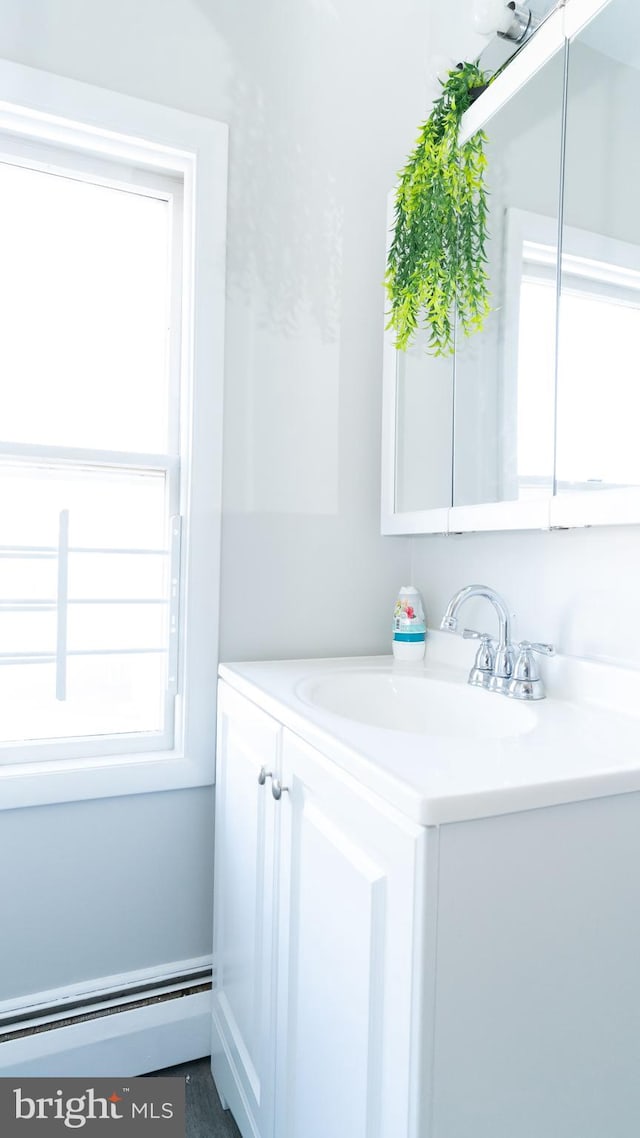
(103, 124)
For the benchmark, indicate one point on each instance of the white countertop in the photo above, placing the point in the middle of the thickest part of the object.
(584, 742)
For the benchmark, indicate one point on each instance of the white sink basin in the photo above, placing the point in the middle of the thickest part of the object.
(417, 705)
(441, 751)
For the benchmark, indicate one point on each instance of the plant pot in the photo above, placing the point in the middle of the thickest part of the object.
(475, 92)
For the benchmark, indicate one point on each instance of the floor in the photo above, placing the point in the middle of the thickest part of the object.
(205, 1116)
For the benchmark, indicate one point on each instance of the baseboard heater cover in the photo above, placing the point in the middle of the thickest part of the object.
(149, 1032)
(19, 1024)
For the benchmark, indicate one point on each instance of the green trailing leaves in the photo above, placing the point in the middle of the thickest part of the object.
(436, 269)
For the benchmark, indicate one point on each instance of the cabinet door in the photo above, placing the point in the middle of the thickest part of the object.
(348, 873)
(243, 997)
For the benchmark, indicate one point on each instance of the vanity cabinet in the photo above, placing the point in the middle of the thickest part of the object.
(244, 903)
(316, 999)
(379, 978)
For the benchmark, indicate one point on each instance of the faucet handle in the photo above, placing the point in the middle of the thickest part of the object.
(525, 669)
(525, 682)
(482, 669)
(543, 649)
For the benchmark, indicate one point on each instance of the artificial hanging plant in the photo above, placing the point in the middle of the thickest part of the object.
(436, 264)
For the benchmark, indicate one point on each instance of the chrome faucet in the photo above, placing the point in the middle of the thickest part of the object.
(494, 669)
(491, 670)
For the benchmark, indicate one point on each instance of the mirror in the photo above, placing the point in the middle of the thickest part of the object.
(535, 424)
(505, 375)
(479, 429)
(424, 429)
(598, 390)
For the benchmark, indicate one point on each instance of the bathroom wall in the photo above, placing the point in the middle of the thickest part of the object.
(320, 122)
(574, 588)
(322, 99)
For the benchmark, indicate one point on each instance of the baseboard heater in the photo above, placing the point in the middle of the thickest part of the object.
(22, 1023)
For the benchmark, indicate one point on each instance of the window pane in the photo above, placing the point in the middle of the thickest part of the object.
(598, 396)
(536, 385)
(84, 304)
(114, 577)
(116, 627)
(107, 508)
(27, 579)
(106, 695)
(124, 691)
(27, 632)
(113, 694)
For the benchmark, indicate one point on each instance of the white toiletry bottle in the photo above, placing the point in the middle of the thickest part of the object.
(409, 628)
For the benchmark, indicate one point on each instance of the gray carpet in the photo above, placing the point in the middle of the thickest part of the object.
(205, 1116)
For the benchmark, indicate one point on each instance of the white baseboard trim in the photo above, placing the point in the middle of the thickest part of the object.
(123, 1043)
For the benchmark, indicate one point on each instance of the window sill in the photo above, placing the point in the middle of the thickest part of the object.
(74, 780)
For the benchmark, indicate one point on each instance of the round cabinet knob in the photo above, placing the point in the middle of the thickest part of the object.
(277, 789)
(264, 775)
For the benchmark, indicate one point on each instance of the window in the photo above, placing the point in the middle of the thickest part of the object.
(593, 404)
(109, 485)
(528, 322)
(536, 368)
(89, 460)
(598, 399)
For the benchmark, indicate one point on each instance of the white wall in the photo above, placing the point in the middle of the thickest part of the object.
(578, 588)
(95, 889)
(574, 588)
(323, 98)
(320, 122)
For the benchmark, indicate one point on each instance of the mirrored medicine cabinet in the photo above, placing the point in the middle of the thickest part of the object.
(535, 421)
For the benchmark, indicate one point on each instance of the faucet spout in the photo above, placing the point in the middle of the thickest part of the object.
(504, 657)
(449, 622)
